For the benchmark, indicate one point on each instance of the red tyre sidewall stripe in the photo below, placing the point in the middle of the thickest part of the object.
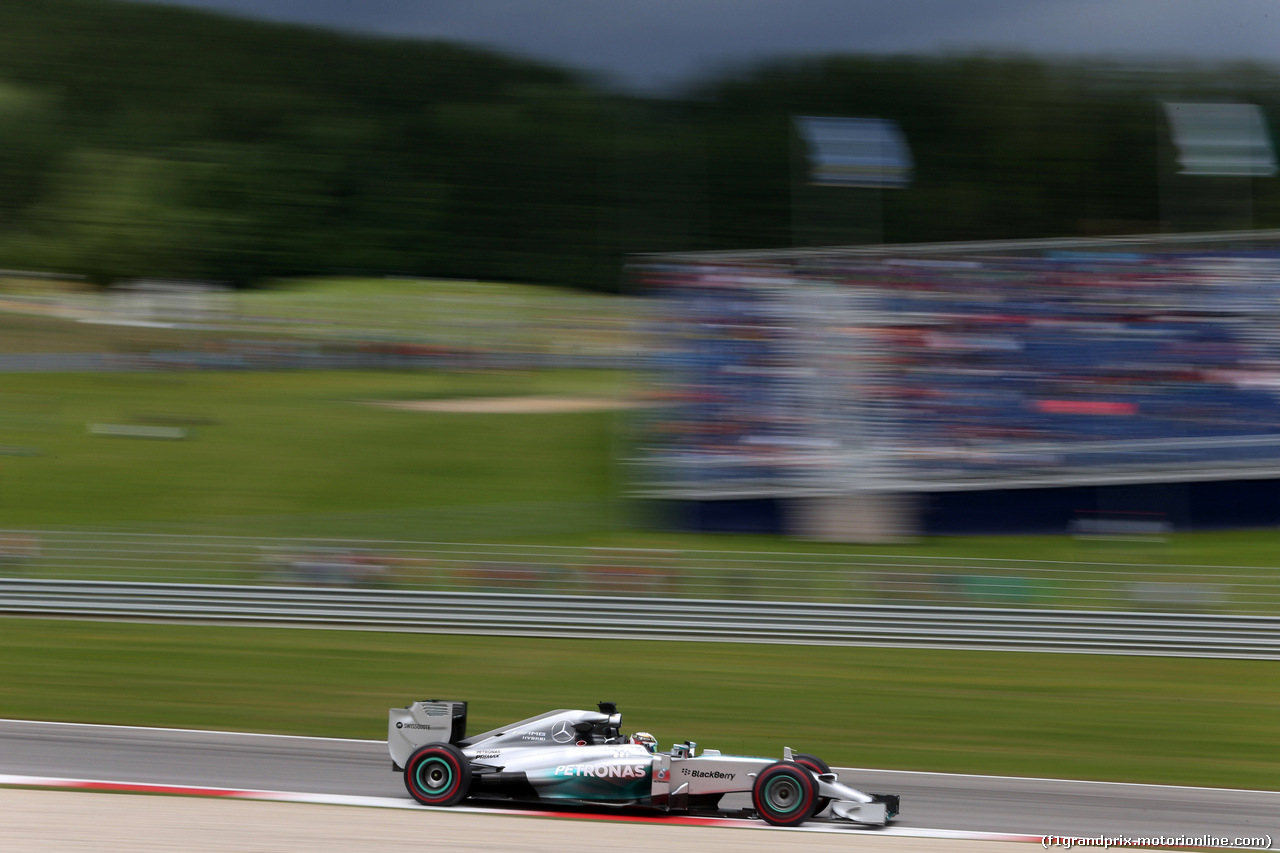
(809, 791)
(810, 795)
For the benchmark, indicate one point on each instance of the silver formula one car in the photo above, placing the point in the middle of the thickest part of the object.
(582, 758)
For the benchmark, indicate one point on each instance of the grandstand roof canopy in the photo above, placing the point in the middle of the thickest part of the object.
(1217, 239)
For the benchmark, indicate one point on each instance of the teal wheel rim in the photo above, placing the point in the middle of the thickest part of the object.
(433, 776)
(783, 795)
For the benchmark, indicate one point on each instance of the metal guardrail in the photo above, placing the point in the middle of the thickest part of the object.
(597, 617)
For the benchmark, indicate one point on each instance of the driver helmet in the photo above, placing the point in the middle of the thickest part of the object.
(646, 740)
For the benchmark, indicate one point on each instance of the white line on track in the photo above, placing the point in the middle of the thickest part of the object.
(185, 731)
(1068, 781)
(848, 769)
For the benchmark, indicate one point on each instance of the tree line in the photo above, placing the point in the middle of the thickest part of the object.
(152, 141)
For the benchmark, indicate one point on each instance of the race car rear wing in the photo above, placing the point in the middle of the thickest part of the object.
(424, 722)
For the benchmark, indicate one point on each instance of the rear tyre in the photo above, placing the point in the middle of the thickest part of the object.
(785, 794)
(438, 774)
(818, 767)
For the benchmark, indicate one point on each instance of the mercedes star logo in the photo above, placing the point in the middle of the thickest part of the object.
(562, 733)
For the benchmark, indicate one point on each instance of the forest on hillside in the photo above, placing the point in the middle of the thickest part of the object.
(150, 141)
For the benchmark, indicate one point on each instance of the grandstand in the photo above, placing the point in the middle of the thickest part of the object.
(859, 390)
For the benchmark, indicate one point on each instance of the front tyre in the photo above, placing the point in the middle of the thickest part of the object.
(818, 766)
(438, 774)
(785, 794)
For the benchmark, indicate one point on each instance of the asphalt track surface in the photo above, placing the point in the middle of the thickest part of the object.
(361, 768)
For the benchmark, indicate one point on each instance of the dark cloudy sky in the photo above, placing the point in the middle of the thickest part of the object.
(655, 42)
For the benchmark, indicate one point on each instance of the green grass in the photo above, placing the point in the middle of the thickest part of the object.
(458, 313)
(504, 317)
(1166, 720)
(283, 445)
